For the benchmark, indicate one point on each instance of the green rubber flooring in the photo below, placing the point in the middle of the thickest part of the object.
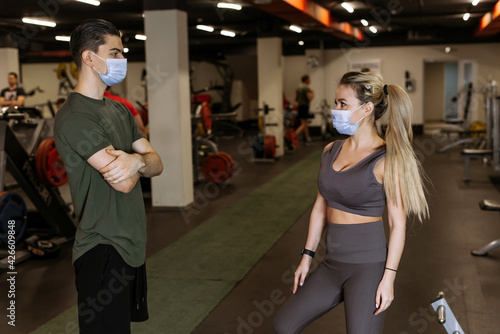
(189, 278)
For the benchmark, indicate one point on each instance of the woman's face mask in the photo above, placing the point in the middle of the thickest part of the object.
(117, 70)
(341, 121)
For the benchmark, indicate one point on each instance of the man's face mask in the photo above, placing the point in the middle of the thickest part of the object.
(117, 70)
(341, 121)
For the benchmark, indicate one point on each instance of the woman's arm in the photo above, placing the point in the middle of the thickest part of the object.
(397, 235)
(317, 223)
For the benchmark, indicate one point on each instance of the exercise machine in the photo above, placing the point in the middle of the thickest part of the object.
(487, 205)
(490, 149)
(264, 146)
(445, 315)
(25, 156)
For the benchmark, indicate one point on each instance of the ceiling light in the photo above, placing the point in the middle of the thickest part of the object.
(228, 6)
(447, 49)
(63, 38)
(295, 28)
(90, 2)
(373, 29)
(475, 2)
(364, 22)
(227, 33)
(205, 28)
(140, 37)
(301, 43)
(466, 16)
(347, 7)
(126, 50)
(39, 22)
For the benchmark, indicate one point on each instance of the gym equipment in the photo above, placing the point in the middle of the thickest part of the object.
(12, 208)
(490, 149)
(445, 315)
(487, 205)
(264, 146)
(461, 126)
(218, 168)
(291, 139)
(223, 113)
(44, 247)
(49, 166)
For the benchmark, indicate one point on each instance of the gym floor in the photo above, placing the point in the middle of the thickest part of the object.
(436, 258)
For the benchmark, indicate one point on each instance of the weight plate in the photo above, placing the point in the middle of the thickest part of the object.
(270, 147)
(49, 166)
(12, 208)
(214, 169)
(229, 162)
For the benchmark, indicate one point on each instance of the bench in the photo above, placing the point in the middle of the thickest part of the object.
(488, 205)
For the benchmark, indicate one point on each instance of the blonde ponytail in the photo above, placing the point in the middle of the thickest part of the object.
(400, 157)
(400, 160)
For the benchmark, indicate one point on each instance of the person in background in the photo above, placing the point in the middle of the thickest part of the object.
(303, 97)
(130, 106)
(60, 102)
(12, 96)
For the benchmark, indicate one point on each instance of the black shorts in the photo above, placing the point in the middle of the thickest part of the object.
(303, 112)
(111, 293)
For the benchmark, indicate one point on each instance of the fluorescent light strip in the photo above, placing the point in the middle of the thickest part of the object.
(364, 22)
(466, 16)
(475, 2)
(228, 6)
(63, 38)
(39, 22)
(228, 33)
(373, 29)
(140, 37)
(347, 7)
(205, 28)
(90, 2)
(295, 28)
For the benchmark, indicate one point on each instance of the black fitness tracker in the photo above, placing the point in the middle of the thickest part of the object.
(307, 252)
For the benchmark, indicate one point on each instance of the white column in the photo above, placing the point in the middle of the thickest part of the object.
(167, 64)
(9, 63)
(270, 80)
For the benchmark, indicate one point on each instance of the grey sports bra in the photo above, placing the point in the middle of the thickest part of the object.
(354, 190)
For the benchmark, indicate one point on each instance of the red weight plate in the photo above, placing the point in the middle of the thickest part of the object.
(206, 117)
(269, 147)
(214, 169)
(229, 161)
(50, 168)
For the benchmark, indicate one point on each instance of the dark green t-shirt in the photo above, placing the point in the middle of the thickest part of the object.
(302, 99)
(84, 126)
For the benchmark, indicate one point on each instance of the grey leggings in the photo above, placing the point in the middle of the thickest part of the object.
(350, 272)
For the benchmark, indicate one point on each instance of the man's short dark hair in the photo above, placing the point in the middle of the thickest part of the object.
(90, 35)
(14, 74)
(304, 78)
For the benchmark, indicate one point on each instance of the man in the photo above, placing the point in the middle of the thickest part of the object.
(12, 96)
(105, 154)
(131, 108)
(303, 97)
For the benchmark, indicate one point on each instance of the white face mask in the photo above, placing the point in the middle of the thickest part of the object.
(341, 120)
(117, 70)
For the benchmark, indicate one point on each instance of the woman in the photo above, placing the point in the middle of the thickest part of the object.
(357, 178)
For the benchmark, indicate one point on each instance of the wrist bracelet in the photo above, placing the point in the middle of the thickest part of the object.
(391, 269)
(307, 252)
